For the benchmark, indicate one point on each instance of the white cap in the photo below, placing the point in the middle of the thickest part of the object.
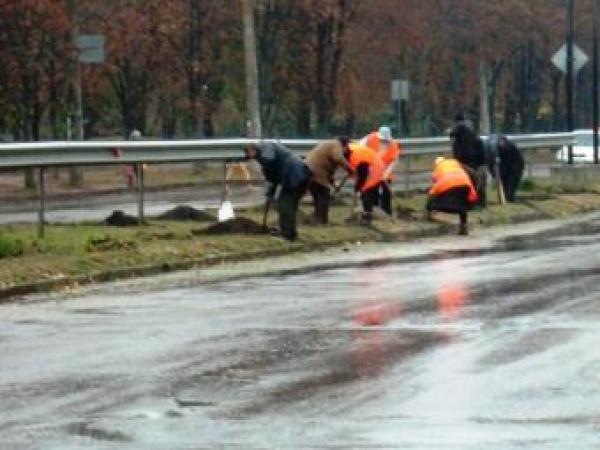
(385, 134)
(135, 134)
(438, 160)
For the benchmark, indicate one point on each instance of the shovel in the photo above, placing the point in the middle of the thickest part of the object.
(352, 217)
(400, 211)
(501, 195)
(266, 214)
(226, 211)
(339, 187)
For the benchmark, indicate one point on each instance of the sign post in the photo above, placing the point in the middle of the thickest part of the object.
(91, 51)
(595, 93)
(400, 93)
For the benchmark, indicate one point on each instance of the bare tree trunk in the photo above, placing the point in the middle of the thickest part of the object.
(76, 173)
(253, 126)
(484, 98)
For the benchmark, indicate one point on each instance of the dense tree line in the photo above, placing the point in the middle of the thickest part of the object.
(175, 67)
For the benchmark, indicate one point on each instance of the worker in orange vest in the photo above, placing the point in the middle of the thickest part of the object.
(369, 170)
(389, 150)
(452, 191)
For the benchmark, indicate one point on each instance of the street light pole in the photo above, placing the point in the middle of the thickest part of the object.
(595, 96)
(569, 78)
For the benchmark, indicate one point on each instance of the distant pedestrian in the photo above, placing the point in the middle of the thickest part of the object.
(323, 161)
(451, 191)
(469, 150)
(281, 168)
(131, 171)
(389, 150)
(506, 161)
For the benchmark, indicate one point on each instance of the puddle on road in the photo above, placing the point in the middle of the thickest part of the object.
(95, 311)
(526, 345)
(296, 365)
(84, 429)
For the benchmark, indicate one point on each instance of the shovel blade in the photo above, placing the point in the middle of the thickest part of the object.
(226, 211)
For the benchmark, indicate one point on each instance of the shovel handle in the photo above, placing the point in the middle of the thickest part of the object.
(266, 213)
(339, 187)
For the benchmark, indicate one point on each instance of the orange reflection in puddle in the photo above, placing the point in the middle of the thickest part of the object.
(375, 313)
(451, 300)
(452, 292)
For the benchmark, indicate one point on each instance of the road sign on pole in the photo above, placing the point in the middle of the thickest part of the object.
(91, 48)
(580, 59)
(400, 90)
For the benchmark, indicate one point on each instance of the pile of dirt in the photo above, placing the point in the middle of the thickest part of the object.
(406, 213)
(185, 212)
(239, 225)
(120, 219)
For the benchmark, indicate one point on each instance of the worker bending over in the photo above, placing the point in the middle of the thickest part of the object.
(505, 162)
(323, 161)
(369, 171)
(389, 150)
(452, 191)
(281, 167)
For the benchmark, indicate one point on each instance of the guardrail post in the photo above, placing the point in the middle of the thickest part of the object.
(407, 173)
(139, 167)
(42, 206)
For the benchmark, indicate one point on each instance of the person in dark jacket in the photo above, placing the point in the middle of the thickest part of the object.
(469, 150)
(504, 155)
(282, 168)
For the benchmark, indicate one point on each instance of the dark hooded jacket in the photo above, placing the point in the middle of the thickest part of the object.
(467, 147)
(281, 167)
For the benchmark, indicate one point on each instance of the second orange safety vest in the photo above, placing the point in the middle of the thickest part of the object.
(389, 154)
(449, 174)
(365, 155)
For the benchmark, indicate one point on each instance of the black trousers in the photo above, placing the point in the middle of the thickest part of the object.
(454, 201)
(321, 199)
(510, 183)
(369, 198)
(479, 179)
(384, 198)
(289, 200)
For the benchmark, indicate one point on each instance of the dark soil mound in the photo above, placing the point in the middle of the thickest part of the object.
(120, 219)
(239, 225)
(184, 212)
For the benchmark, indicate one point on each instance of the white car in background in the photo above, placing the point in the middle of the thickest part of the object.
(583, 150)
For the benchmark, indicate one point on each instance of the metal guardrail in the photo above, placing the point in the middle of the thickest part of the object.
(43, 155)
(53, 154)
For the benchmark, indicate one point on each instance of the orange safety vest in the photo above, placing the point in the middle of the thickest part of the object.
(389, 154)
(449, 174)
(365, 155)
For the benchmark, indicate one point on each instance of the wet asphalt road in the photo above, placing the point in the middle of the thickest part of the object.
(488, 347)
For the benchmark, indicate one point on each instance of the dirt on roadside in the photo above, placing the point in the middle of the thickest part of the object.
(185, 212)
(239, 225)
(120, 219)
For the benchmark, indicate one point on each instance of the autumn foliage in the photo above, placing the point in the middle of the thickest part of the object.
(174, 68)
